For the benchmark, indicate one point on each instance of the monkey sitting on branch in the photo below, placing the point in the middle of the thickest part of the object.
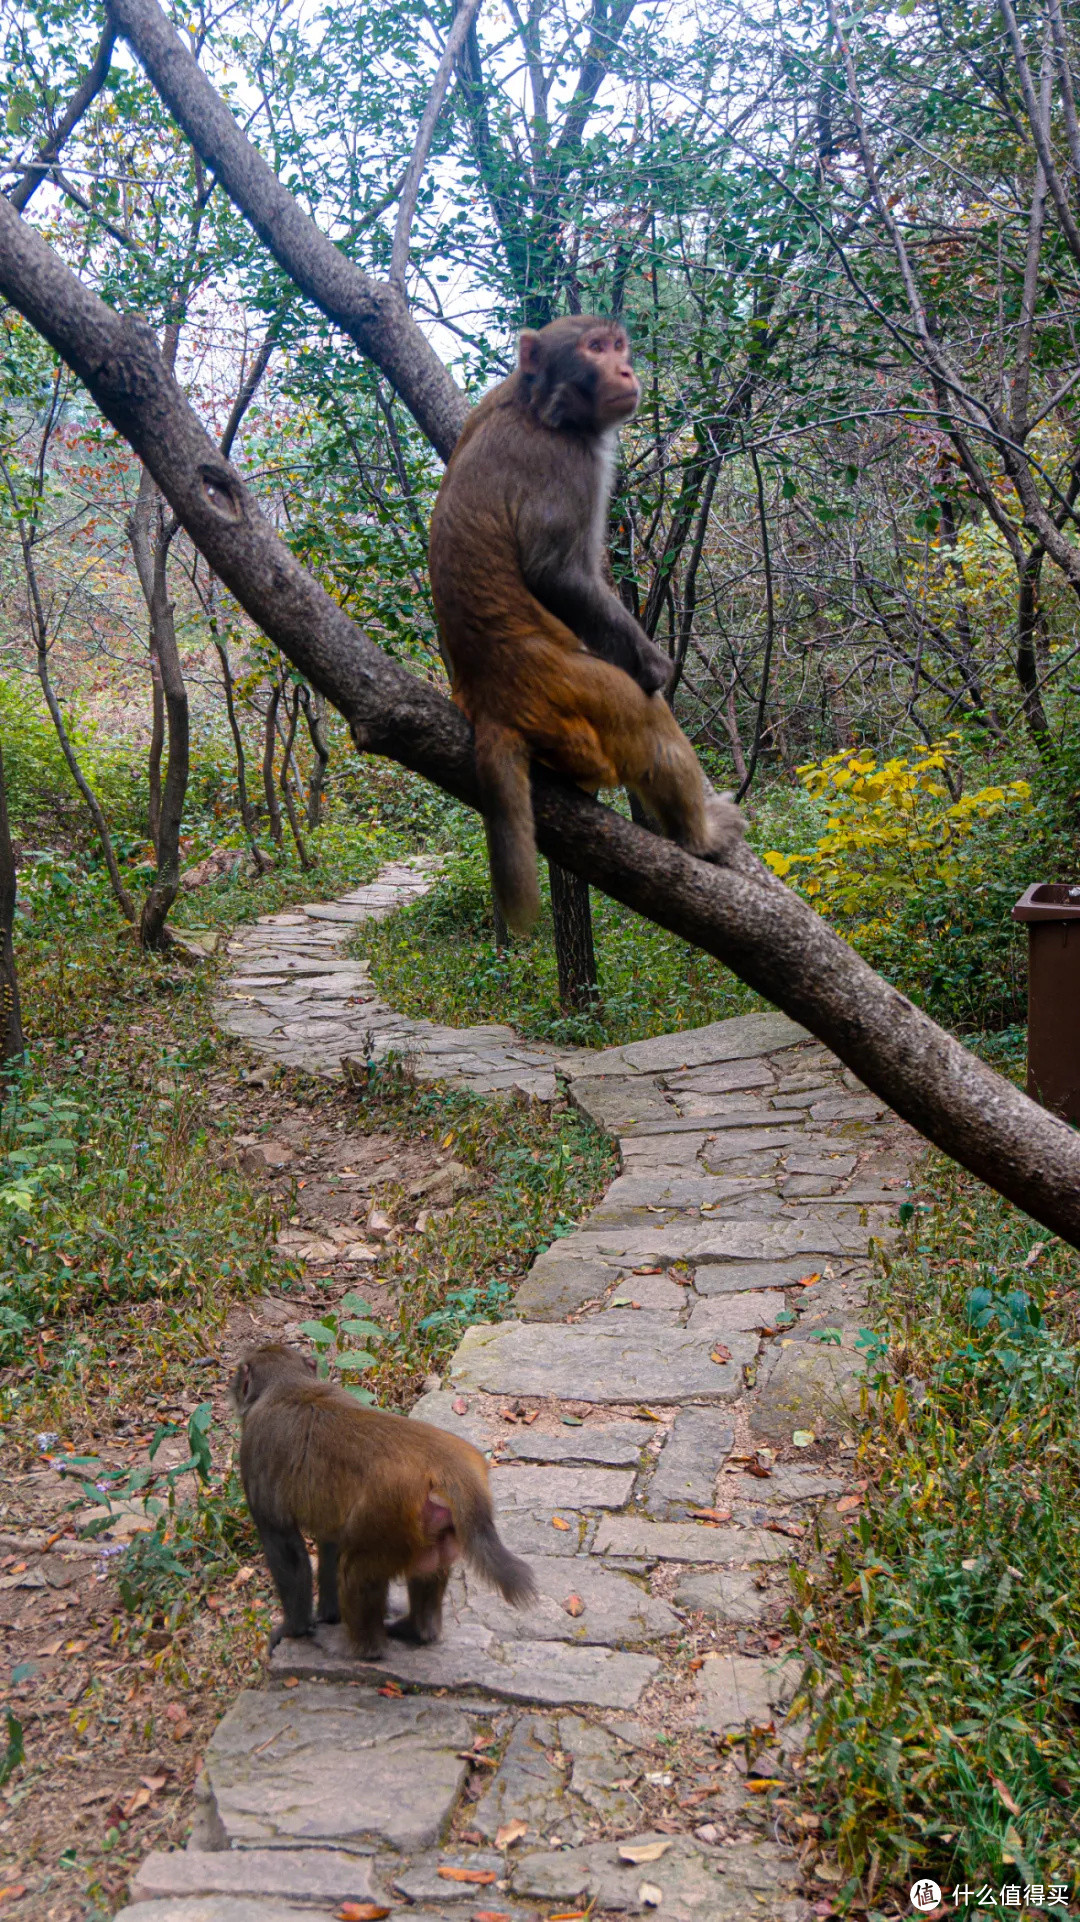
(380, 1496)
(545, 658)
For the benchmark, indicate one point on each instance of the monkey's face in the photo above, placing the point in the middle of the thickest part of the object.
(580, 373)
(605, 352)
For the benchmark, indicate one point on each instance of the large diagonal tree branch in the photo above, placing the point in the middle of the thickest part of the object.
(372, 313)
(739, 913)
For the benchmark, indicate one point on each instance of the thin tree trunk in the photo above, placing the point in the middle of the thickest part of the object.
(12, 1046)
(157, 743)
(163, 889)
(315, 716)
(247, 812)
(1028, 623)
(571, 912)
(151, 553)
(286, 785)
(269, 743)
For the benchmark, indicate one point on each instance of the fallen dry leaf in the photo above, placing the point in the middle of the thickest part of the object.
(291, 1681)
(530, 1417)
(760, 1784)
(848, 1502)
(711, 1514)
(135, 1802)
(574, 1605)
(759, 1469)
(638, 1852)
(720, 1353)
(479, 1877)
(570, 1915)
(650, 1894)
(509, 1833)
(807, 1281)
(490, 1915)
(390, 1688)
(11, 1891)
(1005, 1795)
(362, 1912)
(557, 1522)
(460, 1406)
(646, 1271)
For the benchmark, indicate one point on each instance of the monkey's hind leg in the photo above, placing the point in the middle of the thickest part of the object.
(329, 1605)
(363, 1607)
(502, 767)
(659, 765)
(423, 1623)
(289, 1564)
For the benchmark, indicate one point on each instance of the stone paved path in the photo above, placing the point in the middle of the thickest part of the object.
(640, 1412)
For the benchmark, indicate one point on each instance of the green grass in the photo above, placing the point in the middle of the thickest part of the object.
(438, 958)
(942, 1641)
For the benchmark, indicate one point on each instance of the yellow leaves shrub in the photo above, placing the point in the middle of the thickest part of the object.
(893, 833)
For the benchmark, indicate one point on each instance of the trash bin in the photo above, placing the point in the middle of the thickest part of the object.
(1052, 913)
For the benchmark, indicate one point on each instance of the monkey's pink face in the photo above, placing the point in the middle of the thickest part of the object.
(618, 389)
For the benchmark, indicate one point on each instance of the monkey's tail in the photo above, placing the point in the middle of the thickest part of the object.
(492, 1560)
(502, 766)
(485, 1551)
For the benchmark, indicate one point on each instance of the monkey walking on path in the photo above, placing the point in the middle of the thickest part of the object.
(381, 1496)
(546, 660)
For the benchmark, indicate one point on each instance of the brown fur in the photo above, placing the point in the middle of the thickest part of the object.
(382, 1497)
(546, 661)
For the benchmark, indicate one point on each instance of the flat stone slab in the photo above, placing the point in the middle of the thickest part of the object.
(470, 1657)
(703, 1242)
(696, 1885)
(561, 1487)
(740, 1038)
(226, 1908)
(332, 1765)
(783, 1485)
(627, 1538)
(420, 1881)
(610, 1607)
(810, 1385)
(619, 1445)
(528, 1785)
(734, 1277)
(736, 1314)
(559, 1282)
(690, 1460)
(727, 1595)
(611, 1358)
(310, 1874)
(740, 1691)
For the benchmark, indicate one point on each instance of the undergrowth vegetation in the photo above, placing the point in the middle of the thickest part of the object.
(942, 1643)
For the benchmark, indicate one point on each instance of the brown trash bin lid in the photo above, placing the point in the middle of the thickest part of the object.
(1048, 901)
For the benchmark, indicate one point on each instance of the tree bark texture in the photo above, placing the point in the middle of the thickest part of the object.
(151, 553)
(373, 313)
(269, 744)
(12, 1045)
(740, 913)
(574, 952)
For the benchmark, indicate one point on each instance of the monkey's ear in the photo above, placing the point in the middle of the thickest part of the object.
(243, 1382)
(530, 352)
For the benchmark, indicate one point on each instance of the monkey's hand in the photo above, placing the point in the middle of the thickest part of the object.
(654, 670)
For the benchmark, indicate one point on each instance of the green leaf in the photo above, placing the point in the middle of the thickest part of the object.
(318, 1332)
(363, 1329)
(357, 1358)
